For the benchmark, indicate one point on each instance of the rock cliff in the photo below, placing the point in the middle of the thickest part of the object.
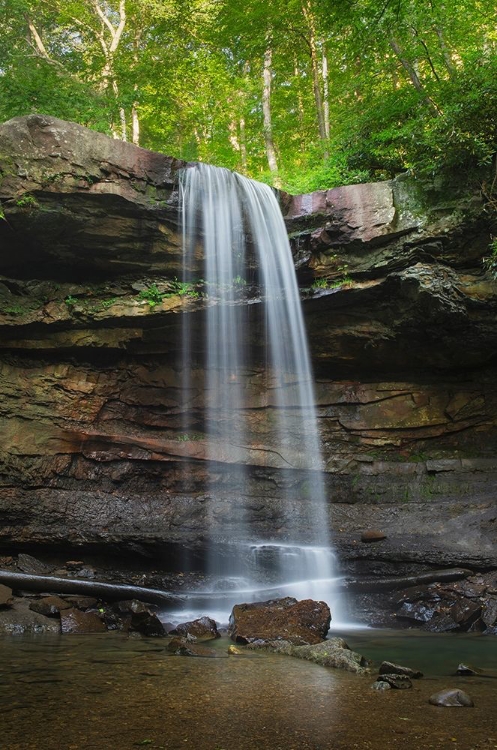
(401, 316)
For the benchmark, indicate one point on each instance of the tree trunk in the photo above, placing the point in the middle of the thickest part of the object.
(243, 145)
(316, 83)
(266, 111)
(451, 68)
(414, 78)
(135, 125)
(326, 95)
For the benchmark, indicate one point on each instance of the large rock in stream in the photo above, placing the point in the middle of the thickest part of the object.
(297, 622)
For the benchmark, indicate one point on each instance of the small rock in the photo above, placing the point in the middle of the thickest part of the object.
(372, 535)
(82, 602)
(465, 669)
(183, 647)
(381, 685)
(72, 564)
(133, 606)
(50, 606)
(86, 572)
(73, 621)
(397, 681)
(387, 667)
(451, 697)
(203, 629)
(31, 565)
(5, 596)
(234, 651)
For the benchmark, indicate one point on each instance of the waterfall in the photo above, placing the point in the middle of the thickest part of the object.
(238, 224)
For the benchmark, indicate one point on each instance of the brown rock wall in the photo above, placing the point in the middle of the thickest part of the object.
(93, 449)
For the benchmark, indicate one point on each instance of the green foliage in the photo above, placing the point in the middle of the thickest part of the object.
(320, 284)
(411, 85)
(154, 296)
(151, 295)
(27, 201)
(106, 303)
(71, 301)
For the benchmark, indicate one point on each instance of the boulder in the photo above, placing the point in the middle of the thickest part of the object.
(387, 667)
(441, 624)
(134, 614)
(298, 622)
(31, 565)
(82, 602)
(50, 606)
(203, 629)
(75, 622)
(451, 697)
(397, 681)
(5, 596)
(18, 619)
(489, 612)
(332, 653)
(418, 612)
(465, 612)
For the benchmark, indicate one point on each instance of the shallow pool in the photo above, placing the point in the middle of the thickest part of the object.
(111, 691)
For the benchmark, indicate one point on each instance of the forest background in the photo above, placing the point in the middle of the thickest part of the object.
(301, 94)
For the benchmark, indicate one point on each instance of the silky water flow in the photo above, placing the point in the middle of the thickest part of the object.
(238, 224)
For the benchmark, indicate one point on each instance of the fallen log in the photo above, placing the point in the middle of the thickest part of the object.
(392, 583)
(107, 591)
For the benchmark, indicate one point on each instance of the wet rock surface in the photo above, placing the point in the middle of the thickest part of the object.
(396, 680)
(296, 622)
(76, 622)
(451, 697)
(333, 653)
(187, 647)
(387, 667)
(50, 606)
(203, 629)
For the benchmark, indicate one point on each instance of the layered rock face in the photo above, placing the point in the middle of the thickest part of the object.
(93, 447)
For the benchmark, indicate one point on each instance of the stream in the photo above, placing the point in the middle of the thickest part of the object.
(112, 691)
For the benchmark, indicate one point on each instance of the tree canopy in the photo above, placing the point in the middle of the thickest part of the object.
(301, 94)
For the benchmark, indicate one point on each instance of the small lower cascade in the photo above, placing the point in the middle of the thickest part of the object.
(253, 416)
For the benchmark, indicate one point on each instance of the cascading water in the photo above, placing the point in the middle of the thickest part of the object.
(239, 224)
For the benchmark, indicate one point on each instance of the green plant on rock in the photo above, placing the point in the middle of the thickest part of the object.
(152, 295)
(27, 201)
(320, 284)
(106, 303)
(14, 310)
(70, 301)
